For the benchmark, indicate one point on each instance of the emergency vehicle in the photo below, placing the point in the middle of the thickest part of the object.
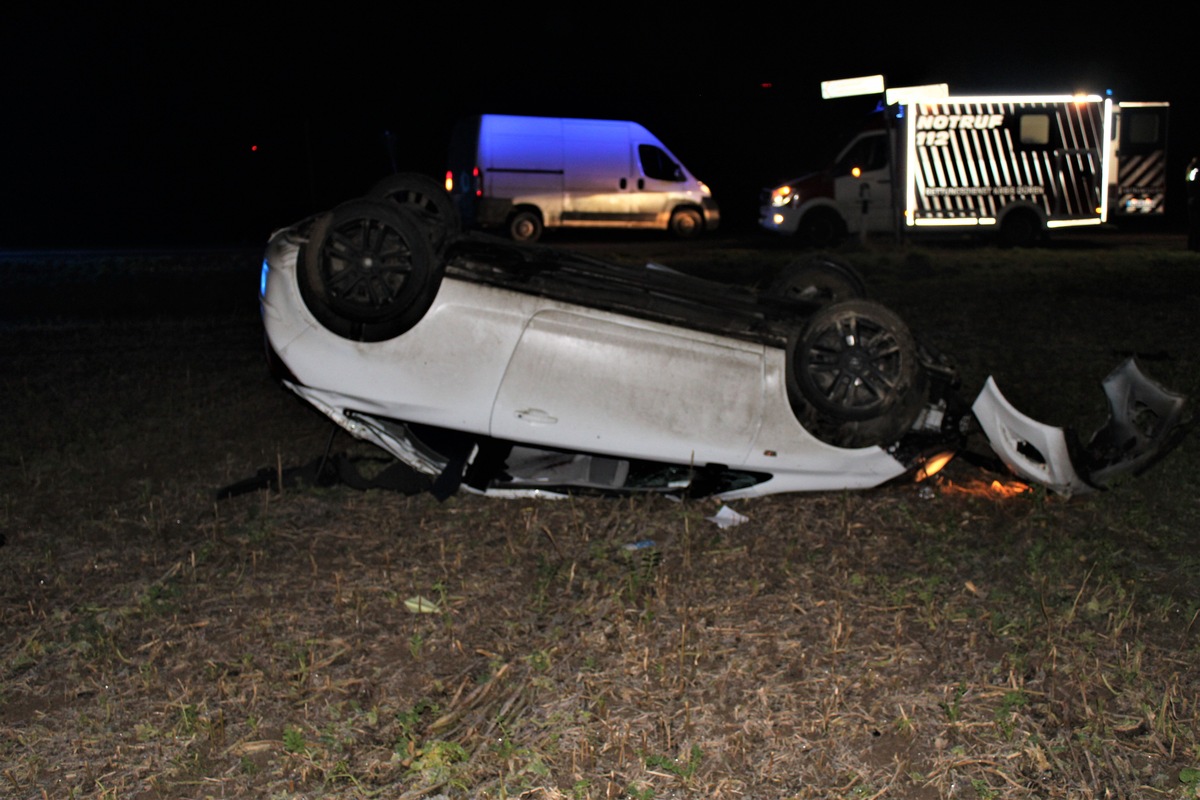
(1016, 167)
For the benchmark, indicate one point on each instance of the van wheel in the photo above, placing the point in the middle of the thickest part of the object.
(1019, 229)
(686, 223)
(821, 228)
(368, 272)
(820, 280)
(525, 226)
(853, 375)
(426, 198)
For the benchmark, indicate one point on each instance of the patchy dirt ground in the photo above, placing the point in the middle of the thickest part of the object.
(916, 642)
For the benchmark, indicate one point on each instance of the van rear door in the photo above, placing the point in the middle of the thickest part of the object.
(1138, 174)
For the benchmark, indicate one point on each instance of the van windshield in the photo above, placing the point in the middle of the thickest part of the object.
(658, 165)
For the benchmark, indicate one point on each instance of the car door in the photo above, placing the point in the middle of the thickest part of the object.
(601, 383)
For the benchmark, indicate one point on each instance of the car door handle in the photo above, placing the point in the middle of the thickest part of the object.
(535, 416)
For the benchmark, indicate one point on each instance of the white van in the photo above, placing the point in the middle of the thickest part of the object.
(525, 174)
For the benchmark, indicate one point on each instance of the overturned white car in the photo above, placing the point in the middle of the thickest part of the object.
(514, 369)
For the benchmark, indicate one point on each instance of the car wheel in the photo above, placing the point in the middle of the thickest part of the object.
(820, 280)
(424, 196)
(686, 223)
(525, 226)
(854, 377)
(368, 271)
(821, 228)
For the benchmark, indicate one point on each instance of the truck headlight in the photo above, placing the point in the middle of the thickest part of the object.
(781, 195)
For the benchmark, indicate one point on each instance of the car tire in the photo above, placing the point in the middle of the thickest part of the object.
(426, 197)
(686, 223)
(854, 377)
(820, 280)
(525, 226)
(368, 272)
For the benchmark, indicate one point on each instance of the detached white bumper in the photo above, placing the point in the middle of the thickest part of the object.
(1145, 422)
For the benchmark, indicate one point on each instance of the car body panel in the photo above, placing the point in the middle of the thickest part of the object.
(409, 377)
(715, 404)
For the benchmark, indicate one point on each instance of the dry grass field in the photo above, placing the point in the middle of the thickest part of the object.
(912, 642)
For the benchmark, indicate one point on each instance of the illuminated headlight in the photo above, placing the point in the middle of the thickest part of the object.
(704, 189)
(262, 278)
(781, 195)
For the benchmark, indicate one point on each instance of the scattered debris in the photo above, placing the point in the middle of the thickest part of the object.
(727, 518)
(422, 605)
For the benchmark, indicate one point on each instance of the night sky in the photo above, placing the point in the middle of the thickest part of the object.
(210, 128)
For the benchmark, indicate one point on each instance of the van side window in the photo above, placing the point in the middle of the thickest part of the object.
(868, 154)
(658, 165)
(1034, 129)
(1143, 131)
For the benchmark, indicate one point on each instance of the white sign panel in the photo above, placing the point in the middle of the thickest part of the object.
(849, 87)
(916, 94)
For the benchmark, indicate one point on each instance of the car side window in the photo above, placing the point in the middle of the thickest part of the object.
(658, 165)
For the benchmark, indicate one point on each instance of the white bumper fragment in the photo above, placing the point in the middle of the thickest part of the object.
(1145, 422)
(1032, 450)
